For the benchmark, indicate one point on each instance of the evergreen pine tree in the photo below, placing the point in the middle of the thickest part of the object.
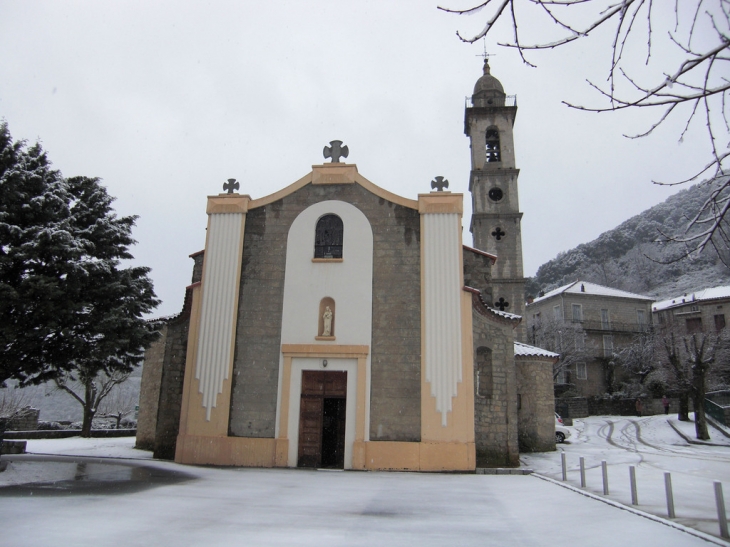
(70, 311)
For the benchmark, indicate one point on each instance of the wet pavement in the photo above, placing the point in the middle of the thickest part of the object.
(32, 475)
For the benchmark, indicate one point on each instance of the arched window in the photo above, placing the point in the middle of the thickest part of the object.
(328, 237)
(484, 372)
(493, 145)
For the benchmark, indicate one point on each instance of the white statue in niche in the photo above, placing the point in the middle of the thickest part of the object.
(327, 320)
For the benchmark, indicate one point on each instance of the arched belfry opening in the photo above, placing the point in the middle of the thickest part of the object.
(492, 142)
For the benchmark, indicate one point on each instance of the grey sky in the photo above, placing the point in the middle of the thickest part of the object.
(166, 100)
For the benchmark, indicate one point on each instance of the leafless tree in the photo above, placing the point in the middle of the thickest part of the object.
(90, 390)
(119, 404)
(567, 339)
(696, 88)
(639, 357)
(691, 360)
(13, 399)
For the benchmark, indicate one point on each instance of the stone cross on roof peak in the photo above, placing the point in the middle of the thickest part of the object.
(335, 150)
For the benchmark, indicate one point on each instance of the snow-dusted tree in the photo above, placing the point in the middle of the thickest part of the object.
(566, 338)
(34, 249)
(68, 309)
(696, 87)
(639, 357)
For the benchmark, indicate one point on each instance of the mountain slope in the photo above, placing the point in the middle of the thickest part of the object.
(629, 257)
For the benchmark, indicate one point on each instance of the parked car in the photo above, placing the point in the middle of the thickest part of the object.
(561, 432)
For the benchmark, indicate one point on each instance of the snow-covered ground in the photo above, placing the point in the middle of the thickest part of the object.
(251, 507)
(653, 447)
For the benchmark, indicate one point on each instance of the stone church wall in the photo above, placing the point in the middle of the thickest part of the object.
(536, 405)
(149, 393)
(171, 386)
(396, 343)
(495, 407)
(160, 397)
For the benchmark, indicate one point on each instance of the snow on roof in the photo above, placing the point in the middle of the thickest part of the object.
(504, 314)
(706, 294)
(585, 287)
(524, 350)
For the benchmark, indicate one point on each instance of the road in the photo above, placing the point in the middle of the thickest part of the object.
(653, 447)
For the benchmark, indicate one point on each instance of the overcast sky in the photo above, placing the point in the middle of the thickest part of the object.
(166, 100)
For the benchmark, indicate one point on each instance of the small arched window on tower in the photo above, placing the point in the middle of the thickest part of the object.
(328, 237)
(493, 153)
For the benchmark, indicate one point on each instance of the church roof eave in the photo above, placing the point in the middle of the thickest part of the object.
(485, 310)
(347, 175)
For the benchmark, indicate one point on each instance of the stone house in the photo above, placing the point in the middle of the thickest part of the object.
(700, 311)
(336, 324)
(588, 324)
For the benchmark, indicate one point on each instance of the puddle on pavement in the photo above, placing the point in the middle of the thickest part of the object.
(82, 477)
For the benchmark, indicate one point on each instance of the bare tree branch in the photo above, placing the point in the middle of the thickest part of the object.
(700, 80)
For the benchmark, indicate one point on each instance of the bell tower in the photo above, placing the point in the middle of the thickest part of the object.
(495, 223)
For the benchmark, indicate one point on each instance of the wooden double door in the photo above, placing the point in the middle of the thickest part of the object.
(322, 419)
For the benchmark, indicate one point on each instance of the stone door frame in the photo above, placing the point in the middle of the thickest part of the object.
(300, 357)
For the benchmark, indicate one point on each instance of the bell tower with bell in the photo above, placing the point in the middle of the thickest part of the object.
(495, 222)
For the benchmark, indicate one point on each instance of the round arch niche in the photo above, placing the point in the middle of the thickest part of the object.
(324, 304)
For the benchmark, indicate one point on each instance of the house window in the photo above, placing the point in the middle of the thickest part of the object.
(557, 313)
(641, 319)
(607, 345)
(328, 237)
(581, 372)
(694, 325)
(577, 313)
(605, 323)
(492, 143)
(719, 322)
(580, 341)
(560, 378)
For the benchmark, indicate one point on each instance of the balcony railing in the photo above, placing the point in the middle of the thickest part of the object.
(614, 326)
(509, 100)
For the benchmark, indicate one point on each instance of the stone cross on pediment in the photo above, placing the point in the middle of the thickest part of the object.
(335, 151)
(439, 183)
(231, 185)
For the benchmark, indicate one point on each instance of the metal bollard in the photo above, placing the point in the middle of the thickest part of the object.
(721, 515)
(632, 478)
(565, 467)
(670, 496)
(605, 477)
(582, 472)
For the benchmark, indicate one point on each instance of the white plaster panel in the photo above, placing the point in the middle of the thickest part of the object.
(219, 302)
(442, 305)
(349, 283)
(295, 397)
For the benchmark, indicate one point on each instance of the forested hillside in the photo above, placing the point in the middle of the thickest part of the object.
(633, 258)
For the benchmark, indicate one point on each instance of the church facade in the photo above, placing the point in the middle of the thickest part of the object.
(336, 324)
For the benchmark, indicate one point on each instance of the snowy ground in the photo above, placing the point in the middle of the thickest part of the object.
(72, 492)
(653, 447)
